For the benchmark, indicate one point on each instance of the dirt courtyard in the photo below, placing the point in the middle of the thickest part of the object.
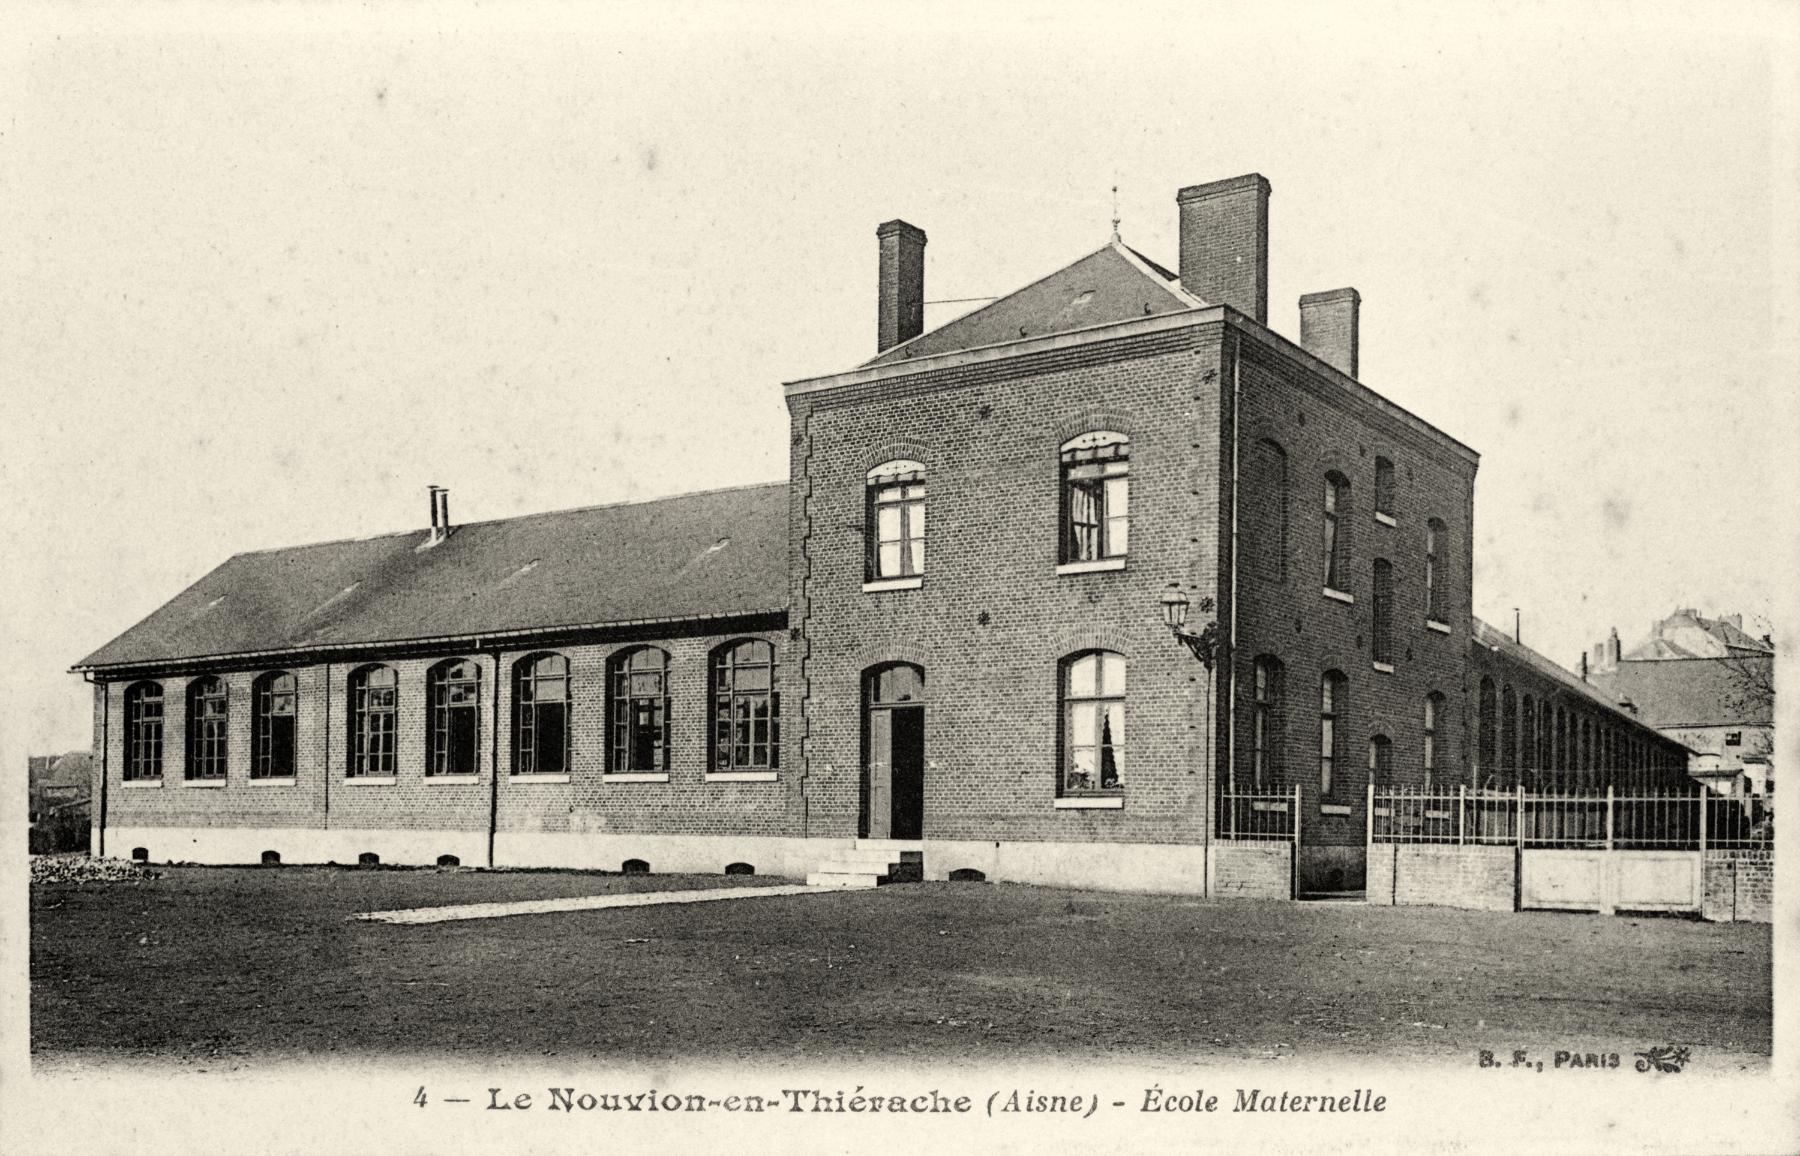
(225, 968)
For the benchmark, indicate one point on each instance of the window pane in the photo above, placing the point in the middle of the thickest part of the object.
(887, 522)
(1112, 742)
(1118, 497)
(1112, 674)
(281, 745)
(1081, 725)
(1082, 676)
(1118, 537)
(917, 519)
(549, 739)
(888, 560)
(751, 678)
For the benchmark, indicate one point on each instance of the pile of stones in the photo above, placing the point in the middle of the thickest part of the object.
(81, 869)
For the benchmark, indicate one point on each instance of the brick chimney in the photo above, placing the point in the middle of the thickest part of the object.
(1328, 323)
(900, 308)
(1225, 243)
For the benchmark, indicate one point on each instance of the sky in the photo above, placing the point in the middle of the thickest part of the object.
(269, 272)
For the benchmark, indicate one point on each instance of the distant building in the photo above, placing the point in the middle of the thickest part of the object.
(59, 783)
(1707, 683)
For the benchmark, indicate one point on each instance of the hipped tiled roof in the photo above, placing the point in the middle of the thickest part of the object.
(1696, 691)
(707, 555)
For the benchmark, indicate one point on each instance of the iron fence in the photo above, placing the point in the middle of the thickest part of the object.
(1262, 816)
(1604, 820)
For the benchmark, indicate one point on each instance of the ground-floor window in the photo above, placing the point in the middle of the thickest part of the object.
(1093, 693)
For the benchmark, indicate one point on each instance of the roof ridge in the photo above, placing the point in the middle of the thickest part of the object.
(512, 518)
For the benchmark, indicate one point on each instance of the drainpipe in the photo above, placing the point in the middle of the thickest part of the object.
(494, 768)
(99, 842)
(1237, 396)
(326, 768)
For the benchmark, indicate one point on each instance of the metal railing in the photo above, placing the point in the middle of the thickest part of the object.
(1268, 816)
(1602, 820)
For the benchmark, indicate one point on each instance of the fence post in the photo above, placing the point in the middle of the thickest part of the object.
(1369, 833)
(1462, 801)
(1703, 809)
(1609, 817)
(1519, 818)
(1294, 851)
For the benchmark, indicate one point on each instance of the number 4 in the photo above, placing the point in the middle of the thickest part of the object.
(420, 1098)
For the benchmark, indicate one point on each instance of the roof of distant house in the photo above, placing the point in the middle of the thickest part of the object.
(1113, 283)
(717, 554)
(1719, 636)
(1696, 691)
(1499, 640)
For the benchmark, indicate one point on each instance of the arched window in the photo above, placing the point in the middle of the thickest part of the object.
(1383, 616)
(1384, 489)
(1337, 551)
(1093, 708)
(637, 687)
(1381, 762)
(1266, 496)
(1528, 740)
(1266, 723)
(746, 708)
(144, 732)
(1096, 496)
(1484, 731)
(208, 728)
(1331, 706)
(453, 742)
(1434, 712)
(541, 715)
(272, 727)
(374, 696)
(1434, 554)
(1509, 733)
(895, 520)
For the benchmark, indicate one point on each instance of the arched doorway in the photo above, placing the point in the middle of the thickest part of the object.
(893, 794)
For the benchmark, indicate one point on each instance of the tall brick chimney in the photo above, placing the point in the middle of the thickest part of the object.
(900, 308)
(1225, 243)
(1328, 324)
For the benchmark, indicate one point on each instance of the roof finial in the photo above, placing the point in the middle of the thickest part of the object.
(1115, 216)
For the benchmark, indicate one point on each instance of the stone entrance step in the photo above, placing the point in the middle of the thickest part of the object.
(870, 863)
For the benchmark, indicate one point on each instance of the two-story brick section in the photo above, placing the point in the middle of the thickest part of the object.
(810, 679)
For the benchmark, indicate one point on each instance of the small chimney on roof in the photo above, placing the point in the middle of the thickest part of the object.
(1328, 327)
(900, 292)
(1225, 243)
(1613, 649)
(440, 515)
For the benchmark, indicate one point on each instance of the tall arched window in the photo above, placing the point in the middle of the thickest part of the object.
(1484, 732)
(1384, 489)
(637, 688)
(1509, 733)
(1266, 496)
(453, 742)
(144, 732)
(1096, 496)
(208, 728)
(1383, 615)
(1528, 740)
(1337, 547)
(541, 715)
(895, 520)
(272, 727)
(1265, 723)
(1434, 553)
(1093, 698)
(1434, 712)
(1331, 706)
(374, 697)
(746, 708)
(1381, 762)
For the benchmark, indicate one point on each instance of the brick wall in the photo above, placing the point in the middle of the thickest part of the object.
(1739, 885)
(993, 617)
(1479, 878)
(320, 795)
(1252, 870)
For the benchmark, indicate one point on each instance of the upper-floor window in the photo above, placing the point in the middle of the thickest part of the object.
(1485, 724)
(1093, 701)
(1331, 705)
(144, 732)
(1384, 488)
(453, 741)
(1265, 722)
(746, 708)
(1383, 616)
(208, 728)
(1434, 547)
(638, 693)
(1096, 496)
(374, 698)
(1337, 506)
(896, 520)
(1734, 738)
(1434, 711)
(272, 727)
(1266, 502)
(541, 715)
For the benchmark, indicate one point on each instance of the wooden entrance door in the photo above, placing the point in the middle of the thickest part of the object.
(894, 755)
